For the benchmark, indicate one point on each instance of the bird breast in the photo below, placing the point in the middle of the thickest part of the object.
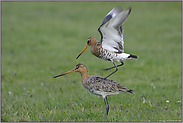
(102, 53)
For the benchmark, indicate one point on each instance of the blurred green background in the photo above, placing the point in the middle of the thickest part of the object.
(42, 39)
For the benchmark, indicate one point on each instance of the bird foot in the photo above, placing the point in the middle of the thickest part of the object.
(105, 116)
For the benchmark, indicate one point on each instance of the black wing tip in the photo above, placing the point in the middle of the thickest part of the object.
(116, 10)
(130, 9)
(107, 18)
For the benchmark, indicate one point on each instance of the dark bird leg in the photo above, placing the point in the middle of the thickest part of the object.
(107, 106)
(114, 66)
(114, 71)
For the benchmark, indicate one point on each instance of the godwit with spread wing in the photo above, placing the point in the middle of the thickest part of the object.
(98, 85)
(111, 45)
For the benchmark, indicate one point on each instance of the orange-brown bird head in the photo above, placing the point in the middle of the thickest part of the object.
(90, 42)
(79, 68)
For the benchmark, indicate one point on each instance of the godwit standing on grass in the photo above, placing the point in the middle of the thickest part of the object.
(98, 85)
(111, 45)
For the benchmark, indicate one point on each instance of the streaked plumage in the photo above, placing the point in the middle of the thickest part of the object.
(98, 85)
(111, 45)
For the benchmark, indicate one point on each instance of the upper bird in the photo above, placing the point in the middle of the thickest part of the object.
(111, 45)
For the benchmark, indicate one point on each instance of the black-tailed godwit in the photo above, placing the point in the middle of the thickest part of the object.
(98, 85)
(111, 45)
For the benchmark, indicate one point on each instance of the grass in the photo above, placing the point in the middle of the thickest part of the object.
(42, 39)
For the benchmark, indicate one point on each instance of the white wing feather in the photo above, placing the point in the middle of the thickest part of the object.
(111, 30)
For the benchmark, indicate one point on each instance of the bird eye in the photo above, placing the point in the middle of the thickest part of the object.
(88, 41)
(77, 67)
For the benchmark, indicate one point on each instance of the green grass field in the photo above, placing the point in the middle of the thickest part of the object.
(42, 39)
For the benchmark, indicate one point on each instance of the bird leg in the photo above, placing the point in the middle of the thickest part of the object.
(107, 106)
(114, 71)
(114, 66)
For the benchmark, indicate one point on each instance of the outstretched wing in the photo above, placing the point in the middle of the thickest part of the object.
(111, 30)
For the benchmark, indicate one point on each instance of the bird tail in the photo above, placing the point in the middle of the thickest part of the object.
(126, 56)
(124, 89)
(132, 56)
(130, 91)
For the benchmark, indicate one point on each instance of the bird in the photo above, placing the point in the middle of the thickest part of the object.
(98, 85)
(111, 45)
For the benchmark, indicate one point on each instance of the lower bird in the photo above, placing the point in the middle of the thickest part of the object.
(98, 85)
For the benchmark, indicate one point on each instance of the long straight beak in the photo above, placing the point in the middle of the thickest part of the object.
(82, 51)
(64, 73)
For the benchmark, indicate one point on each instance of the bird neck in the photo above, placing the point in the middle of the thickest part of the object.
(95, 49)
(94, 42)
(84, 75)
